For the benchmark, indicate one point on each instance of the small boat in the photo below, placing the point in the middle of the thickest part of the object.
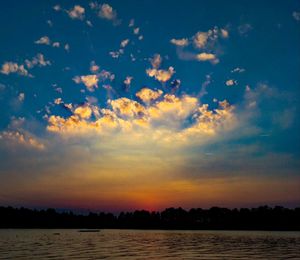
(89, 230)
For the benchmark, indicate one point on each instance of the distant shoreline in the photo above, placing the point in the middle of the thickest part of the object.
(262, 218)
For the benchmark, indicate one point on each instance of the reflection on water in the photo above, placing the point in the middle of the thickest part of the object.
(140, 244)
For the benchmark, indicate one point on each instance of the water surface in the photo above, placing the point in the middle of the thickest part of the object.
(141, 244)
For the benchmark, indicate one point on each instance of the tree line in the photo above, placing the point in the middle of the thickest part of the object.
(215, 218)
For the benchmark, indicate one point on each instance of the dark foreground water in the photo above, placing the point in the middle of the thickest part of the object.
(141, 244)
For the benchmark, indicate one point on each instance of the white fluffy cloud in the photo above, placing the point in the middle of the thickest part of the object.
(21, 97)
(83, 112)
(124, 43)
(22, 69)
(105, 11)
(127, 80)
(90, 81)
(77, 12)
(43, 40)
(180, 42)
(148, 95)
(207, 57)
(231, 82)
(159, 74)
(158, 118)
(38, 60)
(12, 67)
(207, 42)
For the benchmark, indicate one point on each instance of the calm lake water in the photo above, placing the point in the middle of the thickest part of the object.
(141, 244)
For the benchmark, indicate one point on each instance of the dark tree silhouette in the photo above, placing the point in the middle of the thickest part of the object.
(261, 218)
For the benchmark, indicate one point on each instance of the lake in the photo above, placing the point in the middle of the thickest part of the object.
(144, 244)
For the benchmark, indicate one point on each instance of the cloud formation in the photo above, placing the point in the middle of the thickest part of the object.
(207, 57)
(77, 12)
(231, 82)
(206, 42)
(22, 69)
(180, 42)
(148, 95)
(12, 67)
(43, 40)
(14, 139)
(159, 74)
(158, 118)
(105, 11)
(90, 81)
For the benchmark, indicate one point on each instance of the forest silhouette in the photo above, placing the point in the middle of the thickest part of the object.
(215, 218)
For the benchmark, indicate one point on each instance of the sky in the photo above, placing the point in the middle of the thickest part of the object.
(123, 105)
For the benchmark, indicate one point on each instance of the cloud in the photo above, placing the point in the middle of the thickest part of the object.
(172, 119)
(124, 43)
(148, 95)
(21, 69)
(14, 139)
(38, 60)
(43, 40)
(89, 23)
(105, 11)
(77, 12)
(124, 108)
(21, 97)
(56, 44)
(12, 67)
(58, 101)
(156, 61)
(296, 16)
(208, 42)
(116, 54)
(127, 80)
(50, 23)
(90, 81)
(231, 82)
(57, 8)
(67, 47)
(224, 33)
(120, 52)
(94, 68)
(161, 75)
(207, 57)
(200, 39)
(238, 70)
(83, 112)
(131, 23)
(204, 86)
(180, 42)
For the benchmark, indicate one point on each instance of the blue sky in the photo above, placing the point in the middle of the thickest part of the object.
(198, 96)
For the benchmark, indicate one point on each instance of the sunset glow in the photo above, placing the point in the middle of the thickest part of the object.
(133, 105)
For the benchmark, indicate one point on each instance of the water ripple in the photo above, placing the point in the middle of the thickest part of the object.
(138, 244)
